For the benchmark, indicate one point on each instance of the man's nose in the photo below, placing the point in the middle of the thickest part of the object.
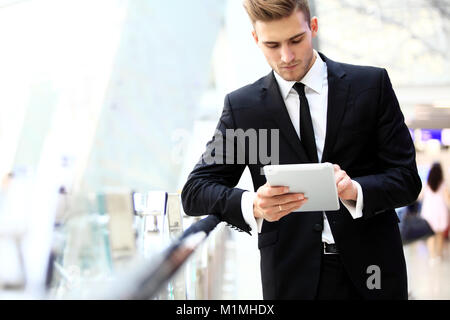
(286, 54)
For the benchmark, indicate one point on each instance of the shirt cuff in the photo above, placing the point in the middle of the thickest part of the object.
(247, 212)
(355, 207)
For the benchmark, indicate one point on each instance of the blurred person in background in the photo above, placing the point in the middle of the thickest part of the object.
(6, 180)
(435, 211)
(12, 272)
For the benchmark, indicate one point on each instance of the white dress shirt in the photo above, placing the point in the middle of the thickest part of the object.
(316, 91)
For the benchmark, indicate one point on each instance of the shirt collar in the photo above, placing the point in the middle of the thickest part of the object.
(313, 79)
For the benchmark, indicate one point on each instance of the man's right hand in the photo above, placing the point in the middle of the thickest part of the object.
(273, 203)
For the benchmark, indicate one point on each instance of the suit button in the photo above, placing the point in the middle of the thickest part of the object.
(318, 227)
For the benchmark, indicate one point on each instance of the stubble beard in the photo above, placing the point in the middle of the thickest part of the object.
(303, 69)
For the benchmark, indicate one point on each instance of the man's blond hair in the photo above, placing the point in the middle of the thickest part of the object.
(268, 10)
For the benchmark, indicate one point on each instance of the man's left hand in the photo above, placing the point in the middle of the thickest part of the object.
(345, 187)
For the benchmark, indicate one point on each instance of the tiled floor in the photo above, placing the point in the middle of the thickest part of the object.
(427, 280)
(242, 272)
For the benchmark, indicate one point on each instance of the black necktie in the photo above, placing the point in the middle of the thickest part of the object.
(306, 127)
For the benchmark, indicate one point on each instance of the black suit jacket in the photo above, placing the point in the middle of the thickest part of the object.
(367, 137)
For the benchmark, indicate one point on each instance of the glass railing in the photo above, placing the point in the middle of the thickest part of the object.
(131, 245)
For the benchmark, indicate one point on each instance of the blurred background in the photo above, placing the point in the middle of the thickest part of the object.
(103, 98)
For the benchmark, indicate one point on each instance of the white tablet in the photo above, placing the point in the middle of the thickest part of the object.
(315, 180)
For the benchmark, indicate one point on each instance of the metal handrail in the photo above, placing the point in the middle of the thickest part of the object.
(151, 277)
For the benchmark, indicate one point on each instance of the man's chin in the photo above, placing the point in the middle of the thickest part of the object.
(289, 76)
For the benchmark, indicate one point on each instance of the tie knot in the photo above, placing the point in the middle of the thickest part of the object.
(300, 88)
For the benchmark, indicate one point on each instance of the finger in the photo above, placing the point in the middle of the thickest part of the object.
(294, 206)
(343, 184)
(338, 181)
(288, 198)
(336, 167)
(340, 186)
(267, 202)
(275, 210)
(339, 178)
(273, 213)
(268, 191)
(340, 175)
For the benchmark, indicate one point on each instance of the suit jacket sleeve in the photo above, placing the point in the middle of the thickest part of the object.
(396, 183)
(210, 186)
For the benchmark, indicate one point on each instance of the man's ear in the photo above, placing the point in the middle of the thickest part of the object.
(255, 36)
(314, 25)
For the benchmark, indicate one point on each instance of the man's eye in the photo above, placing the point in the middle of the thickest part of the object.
(296, 41)
(272, 46)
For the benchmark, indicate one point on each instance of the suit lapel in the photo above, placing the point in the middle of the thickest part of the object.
(338, 88)
(276, 108)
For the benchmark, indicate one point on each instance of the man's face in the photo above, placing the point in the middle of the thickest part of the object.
(287, 44)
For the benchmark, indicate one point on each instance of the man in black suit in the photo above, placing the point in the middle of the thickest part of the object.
(325, 111)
